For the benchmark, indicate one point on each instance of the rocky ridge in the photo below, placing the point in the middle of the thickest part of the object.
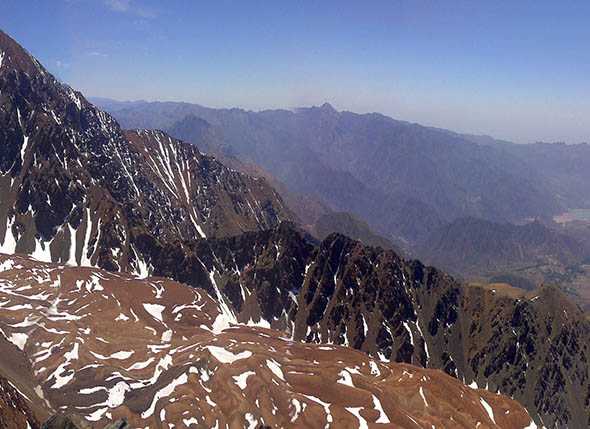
(531, 346)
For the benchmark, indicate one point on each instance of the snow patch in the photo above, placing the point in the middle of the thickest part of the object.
(163, 393)
(275, 367)
(241, 380)
(488, 409)
(8, 244)
(383, 418)
(356, 411)
(225, 356)
(18, 339)
(345, 378)
(155, 310)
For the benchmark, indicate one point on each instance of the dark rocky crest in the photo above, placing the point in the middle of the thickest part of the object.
(532, 346)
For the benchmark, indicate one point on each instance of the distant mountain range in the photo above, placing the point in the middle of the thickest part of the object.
(310, 212)
(407, 182)
(404, 179)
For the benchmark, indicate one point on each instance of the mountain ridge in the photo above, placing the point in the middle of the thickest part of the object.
(77, 188)
(342, 292)
(524, 255)
(387, 172)
(474, 245)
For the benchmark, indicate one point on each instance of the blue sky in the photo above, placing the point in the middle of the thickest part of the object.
(518, 70)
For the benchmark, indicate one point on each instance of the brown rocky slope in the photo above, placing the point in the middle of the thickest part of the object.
(158, 353)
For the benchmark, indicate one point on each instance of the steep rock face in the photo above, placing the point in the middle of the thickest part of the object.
(158, 353)
(74, 188)
(217, 200)
(533, 347)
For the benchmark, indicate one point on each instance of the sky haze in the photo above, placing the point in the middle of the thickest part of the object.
(514, 70)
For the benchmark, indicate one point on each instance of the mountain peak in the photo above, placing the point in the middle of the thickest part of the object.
(58, 145)
(328, 107)
(14, 56)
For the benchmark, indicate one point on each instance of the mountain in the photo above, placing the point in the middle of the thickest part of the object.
(532, 347)
(521, 255)
(472, 246)
(142, 202)
(76, 188)
(347, 224)
(405, 180)
(156, 353)
(565, 166)
(314, 216)
(194, 129)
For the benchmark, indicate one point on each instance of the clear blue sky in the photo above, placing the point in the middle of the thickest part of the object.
(513, 69)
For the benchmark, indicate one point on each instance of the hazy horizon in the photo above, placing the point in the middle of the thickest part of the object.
(292, 108)
(512, 71)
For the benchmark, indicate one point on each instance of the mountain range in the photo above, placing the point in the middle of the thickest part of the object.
(404, 179)
(136, 225)
(403, 185)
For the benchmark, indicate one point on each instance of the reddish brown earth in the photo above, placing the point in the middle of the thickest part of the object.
(158, 353)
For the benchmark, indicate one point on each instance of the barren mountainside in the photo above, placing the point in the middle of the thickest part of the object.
(156, 353)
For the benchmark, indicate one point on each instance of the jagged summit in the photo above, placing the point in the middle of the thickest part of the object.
(328, 107)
